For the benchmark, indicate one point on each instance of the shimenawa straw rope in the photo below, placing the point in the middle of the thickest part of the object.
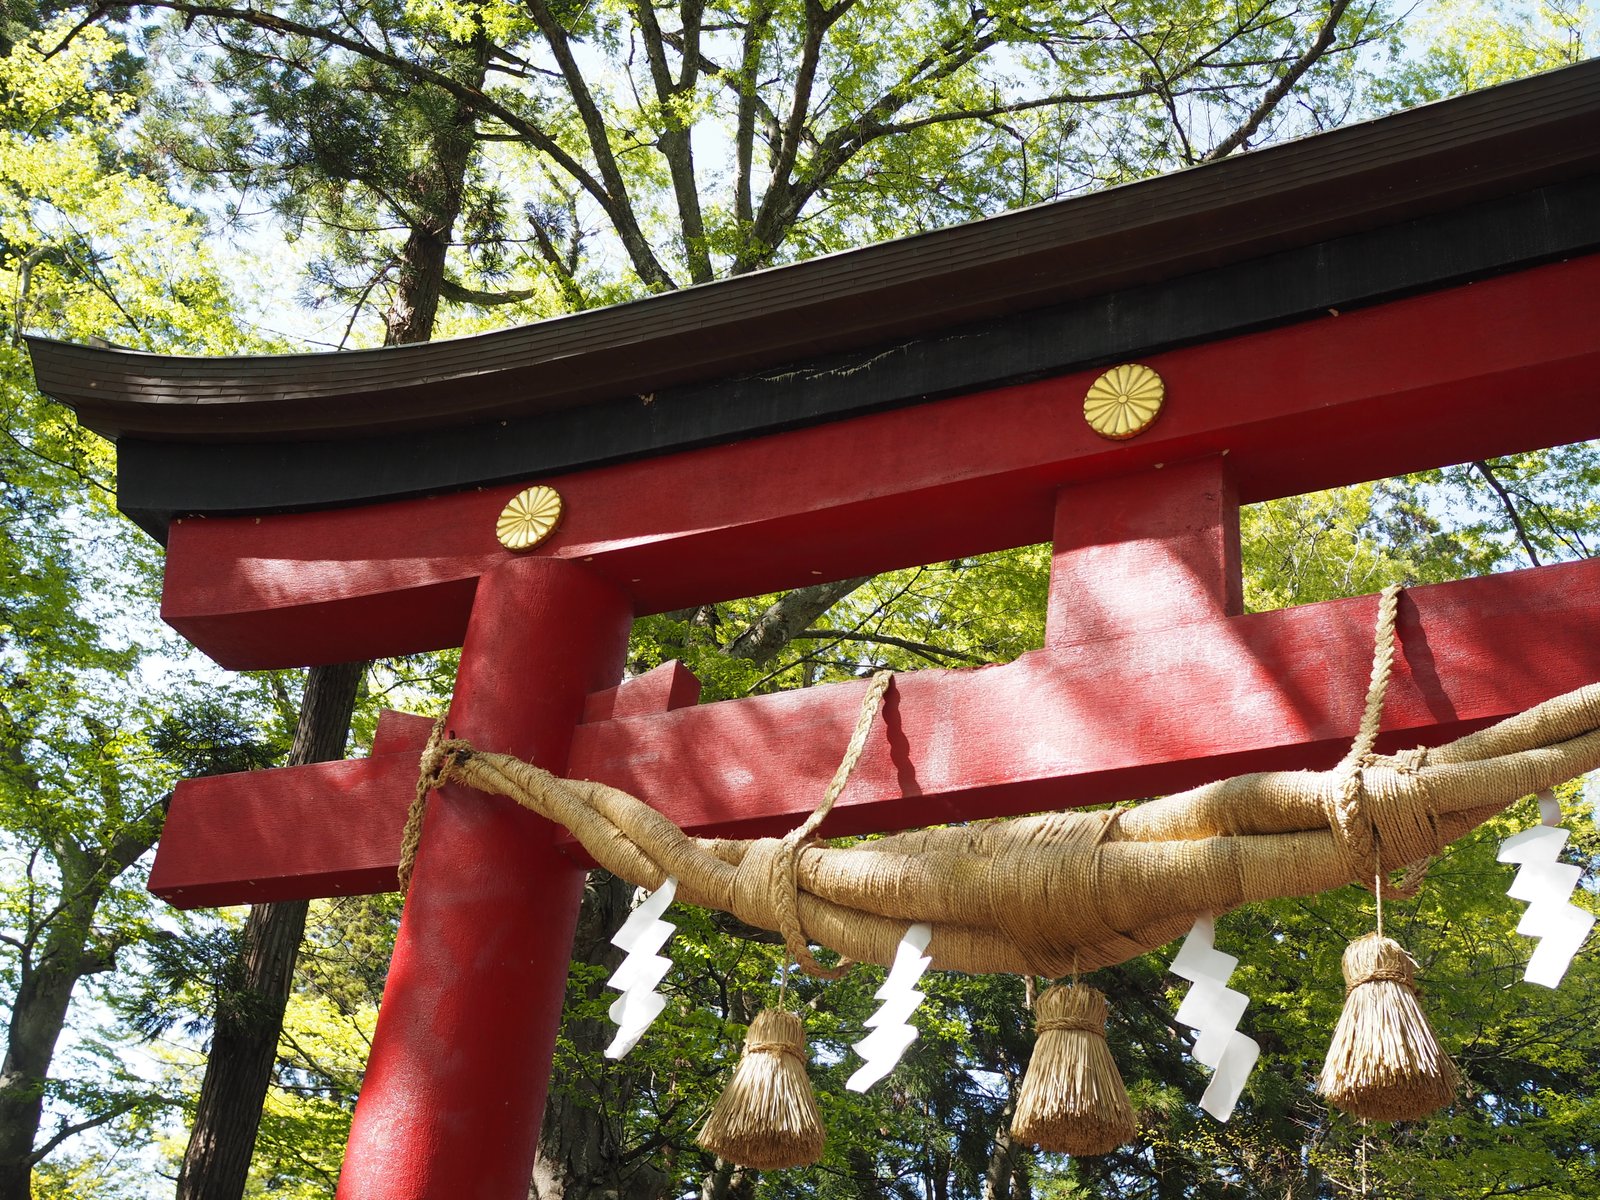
(1032, 894)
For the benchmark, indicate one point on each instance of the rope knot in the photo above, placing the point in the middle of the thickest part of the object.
(1410, 762)
(1067, 1024)
(1380, 808)
(1403, 978)
(1377, 959)
(793, 1051)
(784, 869)
(1071, 1006)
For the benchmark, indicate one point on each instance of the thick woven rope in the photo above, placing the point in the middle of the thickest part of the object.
(1046, 895)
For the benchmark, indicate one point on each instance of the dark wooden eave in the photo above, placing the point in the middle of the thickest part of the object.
(1483, 183)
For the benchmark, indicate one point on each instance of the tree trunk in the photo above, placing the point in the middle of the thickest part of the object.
(66, 952)
(1001, 1171)
(728, 1182)
(245, 1042)
(244, 1045)
(437, 188)
(44, 990)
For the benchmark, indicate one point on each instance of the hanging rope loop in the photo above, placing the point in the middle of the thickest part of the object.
(1355, 815)
(785, 880)
(437, 756)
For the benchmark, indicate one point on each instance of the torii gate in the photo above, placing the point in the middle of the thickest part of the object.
(1418, 291)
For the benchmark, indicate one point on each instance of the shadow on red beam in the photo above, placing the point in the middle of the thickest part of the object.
(332, 829)
(1085, 724)
(1413, 384)
(291, 833)
(1113, 720)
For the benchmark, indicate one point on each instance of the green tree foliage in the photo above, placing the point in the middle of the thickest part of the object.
(606, 149)
(1459, 47)
(612, 148)
(94, 731)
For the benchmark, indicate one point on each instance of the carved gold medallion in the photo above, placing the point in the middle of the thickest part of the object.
(1123, 401)
(532, 516)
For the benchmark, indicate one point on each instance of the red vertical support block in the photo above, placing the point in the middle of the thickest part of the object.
(460, 1063)
(1144, 552)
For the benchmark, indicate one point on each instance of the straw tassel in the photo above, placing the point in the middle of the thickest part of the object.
(1072, 1098)
(1385, 1063)
(766, 1118)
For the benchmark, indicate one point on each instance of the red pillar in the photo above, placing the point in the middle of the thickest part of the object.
(460, 1063)
(1145, 552)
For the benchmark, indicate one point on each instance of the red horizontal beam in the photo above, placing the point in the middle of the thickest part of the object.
(291, 833)
(1074, 724)
(331, 829)
(1499, 366)
(1116, 719)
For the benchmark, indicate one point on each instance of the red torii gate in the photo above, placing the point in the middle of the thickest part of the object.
(1151, 677)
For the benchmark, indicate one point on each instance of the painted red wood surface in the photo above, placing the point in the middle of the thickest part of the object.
(460, 1061)
(331, 829)
(1150, 679)
(1149, 682)
(1498, 366)
(1118, 719)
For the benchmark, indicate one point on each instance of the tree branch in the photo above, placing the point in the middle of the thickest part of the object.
(745, 130)
(614, 196)
(786, 617)
(998, 110)
(457, 294)
(776, 202)
(784, 200)
(1283, 87)
(610, 195)
(1571, 538)
(122, 1107)
(922, 649)
(1493, 481)
(676, 140)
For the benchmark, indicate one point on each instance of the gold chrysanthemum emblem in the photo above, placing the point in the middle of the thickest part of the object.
(1124, 401)
(532, 516)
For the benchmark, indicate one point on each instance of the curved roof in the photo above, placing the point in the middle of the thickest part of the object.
(1439, 158)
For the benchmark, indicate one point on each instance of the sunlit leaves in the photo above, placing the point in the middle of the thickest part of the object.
(90, 247)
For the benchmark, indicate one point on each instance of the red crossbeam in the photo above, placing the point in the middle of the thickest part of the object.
(1150, 682)
(1503, 365)
(331, 829)
(1150, 679)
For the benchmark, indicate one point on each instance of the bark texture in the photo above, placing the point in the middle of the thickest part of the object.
(436, 190)
(580, 1156)
(244, 1045)
(787, 618)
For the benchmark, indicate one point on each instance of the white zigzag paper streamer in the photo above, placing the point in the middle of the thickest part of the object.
(642, 935)
(1213, 1009)
(892, 1031)
(1547, 884)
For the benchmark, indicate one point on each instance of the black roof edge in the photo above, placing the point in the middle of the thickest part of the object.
(162, 479)
(1508, 141)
